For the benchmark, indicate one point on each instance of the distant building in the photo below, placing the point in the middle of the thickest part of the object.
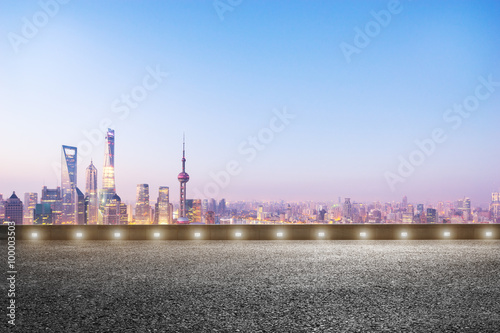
(30, 201)
(53, 198)
(2, 208)
(68, 185)
(42, 214)
(108, 209)
(81, 208)
(193, 207)
(142, 207)
(91, 193)
(495, 207)
(347, 211)
(431, 215)
(162, 208)
(14, 209)
(183, 178)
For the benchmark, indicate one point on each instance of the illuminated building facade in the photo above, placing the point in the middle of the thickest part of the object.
(30, 201)
(53, 198)
(163, 206)
(68, 185)
(91, 193)
(142, 207)
(193, 207)
(14, 209)
(109, 202)
(42, 214)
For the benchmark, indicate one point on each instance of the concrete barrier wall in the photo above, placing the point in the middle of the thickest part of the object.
(255, 232)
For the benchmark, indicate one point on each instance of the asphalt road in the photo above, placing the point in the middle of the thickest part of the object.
(256, 286)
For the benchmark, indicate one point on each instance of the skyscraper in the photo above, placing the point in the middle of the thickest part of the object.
(347, 211)
(163, 205)
(81, 211)
(495, 206)
(109, 202)
(14, 209)
(68, 185)
(142, 207)
(91, 193)
(183, 179)
(108, 171)
(53, 198)
(30, 201)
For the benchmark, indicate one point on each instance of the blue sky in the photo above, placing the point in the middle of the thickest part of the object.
(352, 119)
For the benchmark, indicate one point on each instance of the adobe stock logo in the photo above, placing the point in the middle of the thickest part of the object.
(31, 27)
(427, 147)
(372, 29)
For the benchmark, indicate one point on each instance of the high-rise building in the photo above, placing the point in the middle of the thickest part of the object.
(142, 207)
(68, 185)
(14, 209)
(193, 207)
(347, 211)
(163, 205)
(53, 198)
(108, 171)
(404, 203)
(432, 216)
(183, 179)
(30, 201)
(111, 211)
(91, 193)
(109, 201)
(2, 208)
(81, 208)
(222, 207)
(495, 207)
(42, 214)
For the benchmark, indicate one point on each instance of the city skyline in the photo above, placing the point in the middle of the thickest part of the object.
(298, 109)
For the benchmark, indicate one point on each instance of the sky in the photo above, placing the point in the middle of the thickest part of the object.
(278, 100)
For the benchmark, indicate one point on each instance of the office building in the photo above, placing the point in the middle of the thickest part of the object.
(14, 209)
(68, 185)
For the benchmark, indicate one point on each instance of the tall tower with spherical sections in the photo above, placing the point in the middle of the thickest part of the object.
(183, 179)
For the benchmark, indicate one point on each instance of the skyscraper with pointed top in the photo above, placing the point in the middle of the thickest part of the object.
(91, 193)
(183, 179)
(109, 202)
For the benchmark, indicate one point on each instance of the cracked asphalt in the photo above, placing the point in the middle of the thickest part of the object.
(256, 286)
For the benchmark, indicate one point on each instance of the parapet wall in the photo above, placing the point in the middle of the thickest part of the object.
(256, 232)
